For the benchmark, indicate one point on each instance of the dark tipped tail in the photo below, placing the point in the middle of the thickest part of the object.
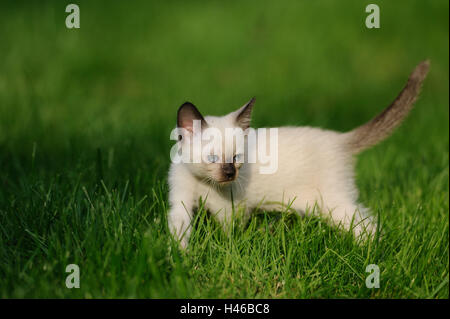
(384, 124)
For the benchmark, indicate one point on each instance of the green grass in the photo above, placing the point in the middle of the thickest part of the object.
(85, 117)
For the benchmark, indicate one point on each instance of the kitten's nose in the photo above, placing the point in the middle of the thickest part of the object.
(229, 171)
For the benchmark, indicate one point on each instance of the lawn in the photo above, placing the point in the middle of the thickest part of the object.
(85, 118)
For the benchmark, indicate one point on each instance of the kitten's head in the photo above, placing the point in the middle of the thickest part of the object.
(220, 142)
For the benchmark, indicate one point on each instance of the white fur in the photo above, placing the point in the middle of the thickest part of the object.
(314, 170)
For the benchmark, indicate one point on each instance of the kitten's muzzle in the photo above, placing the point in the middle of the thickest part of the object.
(228, 171)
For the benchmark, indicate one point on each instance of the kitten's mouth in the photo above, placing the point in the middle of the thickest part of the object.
(225, 182)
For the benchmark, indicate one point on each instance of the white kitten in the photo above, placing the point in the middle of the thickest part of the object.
(315, 168)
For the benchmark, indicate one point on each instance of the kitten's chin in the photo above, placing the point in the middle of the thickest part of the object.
(225, 183)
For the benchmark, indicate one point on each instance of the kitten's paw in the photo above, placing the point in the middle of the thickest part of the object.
(177, 242)
(180, 245)
(365, 229)
(183, 243)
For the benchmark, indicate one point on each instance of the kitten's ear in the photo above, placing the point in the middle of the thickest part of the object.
(187, 113)
(244, 114)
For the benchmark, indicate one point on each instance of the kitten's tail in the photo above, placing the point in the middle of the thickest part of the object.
(384, 124)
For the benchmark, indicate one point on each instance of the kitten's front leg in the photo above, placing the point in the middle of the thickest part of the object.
(180, 215)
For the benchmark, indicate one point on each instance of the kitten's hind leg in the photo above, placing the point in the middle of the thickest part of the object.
(355, 218)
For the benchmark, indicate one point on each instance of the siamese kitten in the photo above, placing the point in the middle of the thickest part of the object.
(315, 168)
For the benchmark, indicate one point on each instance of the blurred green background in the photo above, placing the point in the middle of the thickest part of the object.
(82, 106)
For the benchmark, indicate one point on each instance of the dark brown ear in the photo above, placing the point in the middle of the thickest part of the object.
(187, 113)
(244, 114)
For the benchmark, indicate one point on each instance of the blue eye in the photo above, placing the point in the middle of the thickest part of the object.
(238, 158)
(213, 158)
